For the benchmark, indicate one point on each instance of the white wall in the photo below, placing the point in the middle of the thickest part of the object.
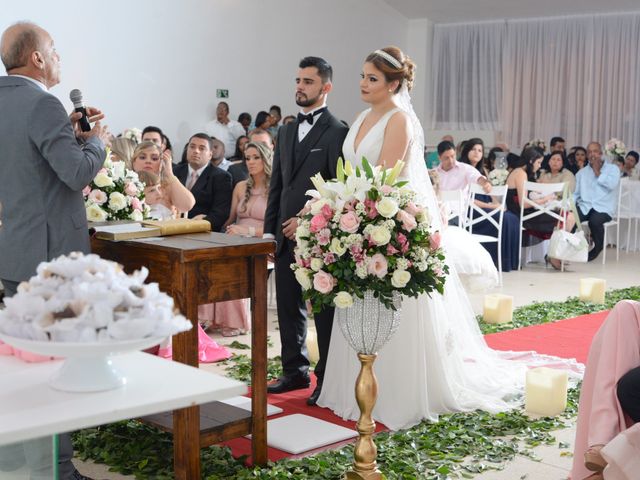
(160, 61)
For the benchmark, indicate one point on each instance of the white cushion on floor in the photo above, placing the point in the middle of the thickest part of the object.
(300, 433)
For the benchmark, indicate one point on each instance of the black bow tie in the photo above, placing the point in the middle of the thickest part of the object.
(308, 117)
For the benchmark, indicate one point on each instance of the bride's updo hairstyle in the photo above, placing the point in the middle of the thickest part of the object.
(395, 65)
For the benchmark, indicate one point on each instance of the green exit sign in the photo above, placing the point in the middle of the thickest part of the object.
(222, 93)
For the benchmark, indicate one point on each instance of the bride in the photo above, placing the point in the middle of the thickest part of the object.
(438, 360)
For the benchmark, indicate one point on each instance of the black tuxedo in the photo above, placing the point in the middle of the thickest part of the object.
(212, 192)
(293, 166)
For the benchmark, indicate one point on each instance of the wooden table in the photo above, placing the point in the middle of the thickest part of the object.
(196, 269)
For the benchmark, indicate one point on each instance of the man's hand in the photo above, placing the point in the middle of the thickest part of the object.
(289, 228)
(99, 131)
(93, 115)
(485, 184)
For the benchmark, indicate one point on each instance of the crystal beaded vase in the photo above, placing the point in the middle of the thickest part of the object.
(367, 325)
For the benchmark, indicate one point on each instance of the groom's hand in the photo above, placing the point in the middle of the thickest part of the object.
(289, 228)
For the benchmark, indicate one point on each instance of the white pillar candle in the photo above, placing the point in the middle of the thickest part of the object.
(546, 391)
(312, 345)
(592, 290)
(498, 308)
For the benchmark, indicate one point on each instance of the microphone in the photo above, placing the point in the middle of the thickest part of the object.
(76, 97)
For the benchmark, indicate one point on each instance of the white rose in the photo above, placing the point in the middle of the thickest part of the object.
(380, 235)
(136, 215)
(387, 207)
(337, 247)
(117, 201)
(316, 264)
(103, 180)
(343, 300)
(400, 278)
(96, 214)
(303, 278)
(302, 230)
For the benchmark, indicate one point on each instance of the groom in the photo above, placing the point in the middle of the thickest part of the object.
(308, 146)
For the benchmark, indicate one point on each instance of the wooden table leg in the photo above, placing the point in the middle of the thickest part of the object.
(259, 360)
(186, 421)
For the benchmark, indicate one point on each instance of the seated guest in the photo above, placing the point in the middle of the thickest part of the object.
(276, 116)
(612, 365)
(491, 157)
(239, 170)
(555, 145)
(238, 154)
(630, 164)
(473, 154)
(288, 119)
(246, 219)
(122, 150)
(244, 119)
(522, 169)
(148, 157)
(557, 172)
(455, 175)
(218, 155)
(263, 120)
(596, 195)
(210, 185)
(577, 159)
(155, 135)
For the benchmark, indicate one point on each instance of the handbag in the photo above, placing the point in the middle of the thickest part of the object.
(567, 246)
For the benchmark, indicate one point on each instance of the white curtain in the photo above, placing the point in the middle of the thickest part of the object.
(577, 77)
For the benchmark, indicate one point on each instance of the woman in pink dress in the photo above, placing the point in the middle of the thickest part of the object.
(248, 205)
(615, 350)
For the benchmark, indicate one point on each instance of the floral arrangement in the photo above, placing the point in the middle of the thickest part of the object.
(615, 147)
(498, 176)
(115, 194)
(537, 143)
(364, 231)
(134, 134)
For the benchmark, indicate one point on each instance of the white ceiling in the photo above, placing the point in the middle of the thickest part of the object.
(451, 11)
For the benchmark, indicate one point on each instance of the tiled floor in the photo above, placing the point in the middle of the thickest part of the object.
(534, 283)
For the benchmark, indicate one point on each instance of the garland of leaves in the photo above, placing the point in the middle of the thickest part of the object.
(460, 445)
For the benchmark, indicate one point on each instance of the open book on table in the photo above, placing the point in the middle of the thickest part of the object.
(150, 228)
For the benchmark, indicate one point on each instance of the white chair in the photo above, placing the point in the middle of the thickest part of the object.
(455, 204)
(477, 214)
(539, 190)
(628, 211)
(614, 222)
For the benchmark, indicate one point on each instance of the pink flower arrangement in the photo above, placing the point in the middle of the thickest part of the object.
(364, 231)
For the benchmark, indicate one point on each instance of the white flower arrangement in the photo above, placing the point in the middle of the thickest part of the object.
(363, 231)
(537, 143)
(116, 193)
(615, 147)
(134, 134)
(498, 177)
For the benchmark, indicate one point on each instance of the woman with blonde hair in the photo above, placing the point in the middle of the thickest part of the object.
(248, 206)
(122, 150)
(147, 156)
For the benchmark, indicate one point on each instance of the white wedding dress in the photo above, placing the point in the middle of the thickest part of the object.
(438, 360)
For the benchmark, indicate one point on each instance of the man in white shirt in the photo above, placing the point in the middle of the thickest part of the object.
(217, 155)
(454, 175)
(225, 129)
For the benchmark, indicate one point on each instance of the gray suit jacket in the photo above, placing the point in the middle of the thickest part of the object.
(43, 170)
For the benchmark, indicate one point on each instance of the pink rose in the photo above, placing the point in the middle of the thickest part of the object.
(370, 208)
(324, 236)
(316, 250)
(408, 221)
(386, 189)
(130, 189)
(377, 265)
(329, 258)
(412, 209)
(435, 241)
(98, 196)
(323, 282)
(326, 212)
(318, 222)
(349, 222)
(136, 204)
(86, 191)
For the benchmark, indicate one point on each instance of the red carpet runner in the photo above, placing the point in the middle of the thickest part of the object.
(569, 338)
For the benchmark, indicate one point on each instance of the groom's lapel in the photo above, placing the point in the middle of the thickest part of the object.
(310, 141)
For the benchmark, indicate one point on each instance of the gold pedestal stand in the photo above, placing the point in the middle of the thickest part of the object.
(364, 455)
